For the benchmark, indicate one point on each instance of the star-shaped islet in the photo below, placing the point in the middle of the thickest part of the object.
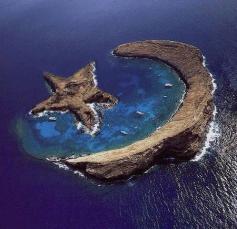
(77, 94)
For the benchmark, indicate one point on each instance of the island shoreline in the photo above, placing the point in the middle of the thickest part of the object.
(181, 138)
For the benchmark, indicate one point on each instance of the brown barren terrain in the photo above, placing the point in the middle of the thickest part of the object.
(75, 94)
(181, 138)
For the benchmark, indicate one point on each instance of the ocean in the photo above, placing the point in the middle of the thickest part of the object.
(63, 36)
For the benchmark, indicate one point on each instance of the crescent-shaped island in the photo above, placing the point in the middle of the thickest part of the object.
(180, 138)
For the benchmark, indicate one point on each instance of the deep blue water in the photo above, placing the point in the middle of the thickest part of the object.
(61, 36)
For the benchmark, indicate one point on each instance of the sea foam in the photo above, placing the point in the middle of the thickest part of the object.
(213, 129)
(94, 75)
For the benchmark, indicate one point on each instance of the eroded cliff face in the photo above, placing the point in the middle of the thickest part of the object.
(182, 137)
(76, 94)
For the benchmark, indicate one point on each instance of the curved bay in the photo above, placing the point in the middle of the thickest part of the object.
(144, 105)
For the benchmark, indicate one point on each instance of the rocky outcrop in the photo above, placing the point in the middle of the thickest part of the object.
(76, 94)
(180, 138)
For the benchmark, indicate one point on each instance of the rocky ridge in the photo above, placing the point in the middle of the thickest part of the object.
(181, 138)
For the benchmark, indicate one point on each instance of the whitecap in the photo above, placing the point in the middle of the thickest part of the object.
(94, 75)
(213, 129)
(61, 165)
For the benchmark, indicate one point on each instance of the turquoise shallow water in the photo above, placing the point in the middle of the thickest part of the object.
(144, 105)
